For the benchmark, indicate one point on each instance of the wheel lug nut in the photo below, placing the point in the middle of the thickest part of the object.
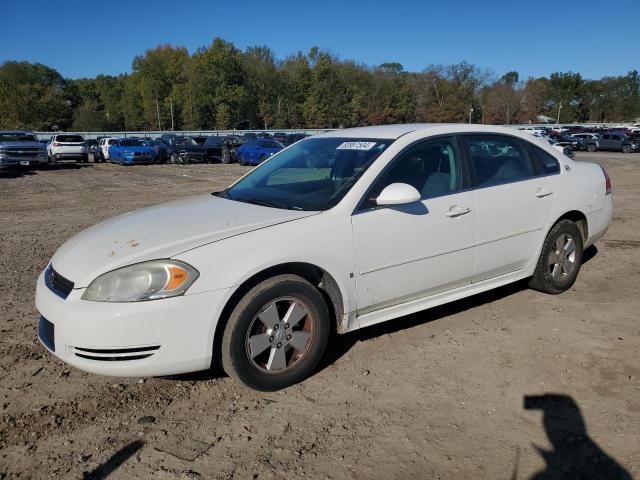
(279, 345)
(288, 337)
(286, 325)
(276, 326)
(271, 339)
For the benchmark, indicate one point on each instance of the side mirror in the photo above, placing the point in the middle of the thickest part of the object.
(398, 194)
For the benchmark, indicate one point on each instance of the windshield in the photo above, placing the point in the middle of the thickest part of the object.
(183, 141)
(17, 137)
(312, 175)
(132, 143)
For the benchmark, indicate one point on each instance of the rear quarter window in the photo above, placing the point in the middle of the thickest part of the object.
(546, 162)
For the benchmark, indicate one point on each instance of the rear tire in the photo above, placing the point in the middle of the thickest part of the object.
(626, 149)
(560, 259)
(270, 358)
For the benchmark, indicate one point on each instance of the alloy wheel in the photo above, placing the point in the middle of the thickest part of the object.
(562, 259)
(279, 335)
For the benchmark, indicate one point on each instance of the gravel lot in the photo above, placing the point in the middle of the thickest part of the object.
(440, 394)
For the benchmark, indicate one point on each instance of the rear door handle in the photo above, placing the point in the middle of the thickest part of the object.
(543, 192)
(456, 211)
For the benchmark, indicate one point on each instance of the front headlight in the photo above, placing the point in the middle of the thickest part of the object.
(143, 281)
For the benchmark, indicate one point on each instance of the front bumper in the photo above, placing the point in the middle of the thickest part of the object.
(158, 337)
(192, 157)
(7, 162)
(139, 159)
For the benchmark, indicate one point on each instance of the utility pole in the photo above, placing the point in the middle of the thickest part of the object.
(470, 112)
(171, 102)
(158, 112)
(559, 110)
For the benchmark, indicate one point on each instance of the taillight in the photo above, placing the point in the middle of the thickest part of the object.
(607, 181)
(56, 144)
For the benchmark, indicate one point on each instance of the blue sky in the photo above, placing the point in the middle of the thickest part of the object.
(535, 37)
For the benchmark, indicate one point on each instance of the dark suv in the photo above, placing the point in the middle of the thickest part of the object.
(618, 142)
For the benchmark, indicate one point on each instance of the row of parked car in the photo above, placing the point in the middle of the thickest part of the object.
(247, 149)
(22, 148)
(624, 139)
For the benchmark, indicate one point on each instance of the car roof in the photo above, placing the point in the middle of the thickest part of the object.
(396, 131)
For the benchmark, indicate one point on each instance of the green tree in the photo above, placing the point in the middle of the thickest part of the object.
(217, 78)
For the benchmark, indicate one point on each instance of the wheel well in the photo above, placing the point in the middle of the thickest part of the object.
(322, 280)
(580, 220)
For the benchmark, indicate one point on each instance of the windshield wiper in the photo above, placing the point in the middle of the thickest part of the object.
(222, 194)
(264, 203)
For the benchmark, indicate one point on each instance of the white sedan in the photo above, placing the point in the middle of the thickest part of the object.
(339, 231)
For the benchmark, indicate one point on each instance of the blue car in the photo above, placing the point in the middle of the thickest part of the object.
(256, 151)
(131, 151)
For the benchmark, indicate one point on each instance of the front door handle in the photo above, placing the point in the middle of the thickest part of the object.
(543, 192)
(456, 211)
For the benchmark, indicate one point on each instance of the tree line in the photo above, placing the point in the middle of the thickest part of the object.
(223, 87)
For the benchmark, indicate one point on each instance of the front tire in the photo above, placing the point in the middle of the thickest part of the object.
(626, 149)
(560, 260)
(591, 147)
(276, 334)
(225, 155)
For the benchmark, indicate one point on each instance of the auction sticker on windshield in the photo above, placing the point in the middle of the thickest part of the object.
(356, 146)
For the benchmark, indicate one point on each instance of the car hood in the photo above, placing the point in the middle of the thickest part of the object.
(160, 231)
(23, 144)
(188, 148)
(138, 149)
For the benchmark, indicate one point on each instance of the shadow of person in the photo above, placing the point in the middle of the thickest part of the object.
(574, 455)
(107, 468)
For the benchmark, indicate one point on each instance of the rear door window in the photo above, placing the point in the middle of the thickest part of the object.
(496, 159)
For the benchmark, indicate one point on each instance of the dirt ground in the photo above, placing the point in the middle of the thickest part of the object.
(439, 394)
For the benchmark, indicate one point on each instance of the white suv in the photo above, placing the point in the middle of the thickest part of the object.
(105, 143)
(67, 147)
